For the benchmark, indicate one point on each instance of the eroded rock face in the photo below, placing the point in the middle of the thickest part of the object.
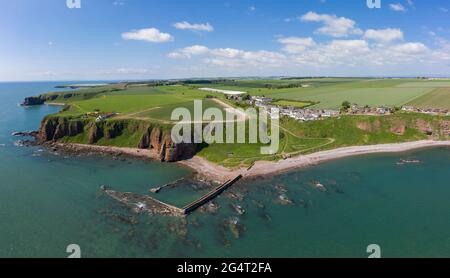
(38, 100)
(95, 133)
(399, 129)
(445, 128)
(369, 126)
(30, 101)
(53, 129)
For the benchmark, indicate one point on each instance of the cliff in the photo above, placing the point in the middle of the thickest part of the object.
(122, 133)
(38, 100)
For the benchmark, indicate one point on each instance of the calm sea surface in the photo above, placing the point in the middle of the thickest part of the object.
(49, 201)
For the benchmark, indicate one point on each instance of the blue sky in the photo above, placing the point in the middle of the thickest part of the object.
(151, 39)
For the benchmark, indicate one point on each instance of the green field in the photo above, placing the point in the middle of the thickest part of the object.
(293, 103)
(329, 93)
(438, 98)
(155, 103)
(164, 112)
(332, 98)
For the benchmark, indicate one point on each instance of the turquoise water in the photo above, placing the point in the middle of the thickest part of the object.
(48, 202)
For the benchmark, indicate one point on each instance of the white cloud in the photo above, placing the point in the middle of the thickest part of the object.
(443, 9)
(206, 27)
(133, 71)
(188, 52)
(384, 35)
(296, 44)
(230, 57)
(411, 48)
(333, 26)
(305, 53)
(397, 7)
(150, 35)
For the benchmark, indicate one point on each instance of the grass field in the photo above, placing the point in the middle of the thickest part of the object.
(153, 103)
(292, 103)
(332, 97)
(331, 92)
(438, 98)
(164, 112)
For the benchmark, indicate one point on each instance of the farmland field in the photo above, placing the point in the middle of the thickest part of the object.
(332, 97)
(292, 103)
(164, 112)
(439, 98)
(331, 92)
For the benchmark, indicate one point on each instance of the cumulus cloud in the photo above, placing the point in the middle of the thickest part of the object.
(149, 35)
(384, 35)
(332, 25)
(375, 49)
(296, 44)
(229, 57)
(205, 27)
(411, 48)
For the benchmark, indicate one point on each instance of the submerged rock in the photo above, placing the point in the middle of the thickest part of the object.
(236, 228)
(210, 207)
(179, 228)
(238, 209)
(259, 205)
(284, 200)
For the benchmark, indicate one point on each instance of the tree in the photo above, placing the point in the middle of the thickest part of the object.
(346, 105)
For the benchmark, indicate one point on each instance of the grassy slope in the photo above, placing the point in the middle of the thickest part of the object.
(327, 134)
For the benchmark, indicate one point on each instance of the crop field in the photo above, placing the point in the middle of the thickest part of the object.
(163, 113)
(125, 103)
(332, 98)
(438, 98)
(143, 102)
(292, 103)
(329, 93)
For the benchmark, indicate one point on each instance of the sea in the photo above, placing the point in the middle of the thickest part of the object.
(49, 201)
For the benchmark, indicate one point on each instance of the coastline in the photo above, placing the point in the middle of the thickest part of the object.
(82, 148)
(263, 168)
(214, 172)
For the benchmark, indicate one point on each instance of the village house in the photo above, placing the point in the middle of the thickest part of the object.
(299, 114)
(104, 117)
(430, 111)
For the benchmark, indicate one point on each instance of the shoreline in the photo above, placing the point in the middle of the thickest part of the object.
(263, 168)
(217, 173)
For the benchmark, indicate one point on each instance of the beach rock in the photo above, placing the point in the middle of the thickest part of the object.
(25, 134)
